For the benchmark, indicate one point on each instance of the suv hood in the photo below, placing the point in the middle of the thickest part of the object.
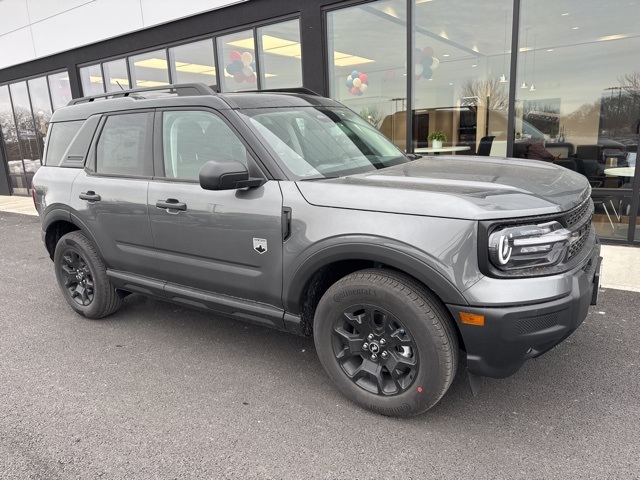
(474, 188)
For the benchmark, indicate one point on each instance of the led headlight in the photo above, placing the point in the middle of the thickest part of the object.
(529, 246)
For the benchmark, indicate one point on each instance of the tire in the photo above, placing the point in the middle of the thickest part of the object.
(82, 277)
(386, 341)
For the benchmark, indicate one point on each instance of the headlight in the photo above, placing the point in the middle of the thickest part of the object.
(529, 246)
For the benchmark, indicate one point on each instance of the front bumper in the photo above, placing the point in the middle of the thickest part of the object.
(511, 335)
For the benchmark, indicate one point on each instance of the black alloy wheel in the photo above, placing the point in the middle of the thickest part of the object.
(375, 350)
(78, 279)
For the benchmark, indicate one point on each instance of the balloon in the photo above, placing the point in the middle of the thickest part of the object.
(235, 55)
(354, 90)
(359, 92)
(349, 83)
(248, 71)
(428, 51)
(247, 58)
(354, 74)
(419, 68)
(363, 87)
(364, 78)
(253, 65)
(238, 77)
(427, 61)
(427, 73)
(357, 82)
(435, 64)
(349, 78)
(251, 79)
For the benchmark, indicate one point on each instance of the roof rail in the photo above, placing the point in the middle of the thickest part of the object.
(182, 90)
(286, 90)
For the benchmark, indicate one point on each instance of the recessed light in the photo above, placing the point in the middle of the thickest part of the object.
(450, 83)
(565, 14)
(445, 54)
(576, 28)
(549, 49)
(474, 65)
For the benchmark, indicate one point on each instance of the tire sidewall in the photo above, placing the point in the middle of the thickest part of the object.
(426, 388)
(71, 243)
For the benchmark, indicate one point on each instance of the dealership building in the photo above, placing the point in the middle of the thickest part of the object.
(493, 76)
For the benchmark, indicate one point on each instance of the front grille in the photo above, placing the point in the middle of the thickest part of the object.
(577, 213)
(535, 324)
(578, 221)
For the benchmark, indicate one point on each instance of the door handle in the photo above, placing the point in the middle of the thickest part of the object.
(171, 203)
(89, 196)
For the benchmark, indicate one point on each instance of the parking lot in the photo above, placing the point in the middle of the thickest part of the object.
(161, 391)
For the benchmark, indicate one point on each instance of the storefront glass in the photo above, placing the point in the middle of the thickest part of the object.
(91, 79)
(149, 69)
(367, 54)
(193, 62)
(236, 57)
(280, 55)
(579, 88)
(115, 75)
(60, 89)
(41, 107)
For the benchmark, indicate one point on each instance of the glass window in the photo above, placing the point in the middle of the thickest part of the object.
(193, 138)
(460, 76)
(578, 101)
(149, 69)
(116, 75)
(59, 139)
(280, 55)
(367, 64)
(41, 105)
(123, 145)
(193, 63)
(10, 134)
(29, 144)
(236, 53)
(91, 79)
(323, 142)
(60, 89)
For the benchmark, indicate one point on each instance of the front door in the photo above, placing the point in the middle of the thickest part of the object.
(222, 242)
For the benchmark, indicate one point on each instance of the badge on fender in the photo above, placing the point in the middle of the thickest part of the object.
(260, 245)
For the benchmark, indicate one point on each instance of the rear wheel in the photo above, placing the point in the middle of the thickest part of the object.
(82, 277)
(386, 341)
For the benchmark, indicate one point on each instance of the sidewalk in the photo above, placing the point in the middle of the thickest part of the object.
(620, 264)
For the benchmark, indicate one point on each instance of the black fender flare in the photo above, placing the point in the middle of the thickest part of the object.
(56, 213)
(409, 262)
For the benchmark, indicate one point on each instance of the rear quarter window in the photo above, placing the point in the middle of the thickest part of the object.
(58, 140)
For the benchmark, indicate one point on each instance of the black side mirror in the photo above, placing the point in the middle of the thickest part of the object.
(226, 176)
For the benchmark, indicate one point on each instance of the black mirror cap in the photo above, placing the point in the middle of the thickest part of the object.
(225, 176)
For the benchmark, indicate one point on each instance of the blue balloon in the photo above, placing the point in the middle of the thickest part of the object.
(355, 74)
(253, 65)
(427, 62)
(427, 73)
(349, 83)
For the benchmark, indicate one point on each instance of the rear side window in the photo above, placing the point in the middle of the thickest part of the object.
(60, 136)
(124, 146)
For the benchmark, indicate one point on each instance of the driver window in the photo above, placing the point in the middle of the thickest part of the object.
(193, 138)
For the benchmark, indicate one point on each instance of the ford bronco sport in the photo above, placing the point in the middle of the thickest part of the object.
(289, 210)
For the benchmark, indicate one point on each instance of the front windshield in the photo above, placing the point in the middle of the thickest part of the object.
(320, 142)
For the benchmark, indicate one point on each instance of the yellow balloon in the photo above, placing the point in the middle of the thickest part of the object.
(247, 58)
(357, 82)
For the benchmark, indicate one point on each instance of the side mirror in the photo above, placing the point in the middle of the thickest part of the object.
(226, 176)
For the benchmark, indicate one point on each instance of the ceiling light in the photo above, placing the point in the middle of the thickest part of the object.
(611, 37)
(524, 85)
(503, 78)
(119, 81)
(244, 43)
(576, 28)
(450, 83)
(549, 49)
(445, 54)
(344, 59)
(95, 79)
(533, 88)
(474, 65)
(159, 63)
(195, 68)
(565, 14)
(150, 83)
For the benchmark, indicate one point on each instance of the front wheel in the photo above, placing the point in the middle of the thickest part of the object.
(82, 277)
(386, 341)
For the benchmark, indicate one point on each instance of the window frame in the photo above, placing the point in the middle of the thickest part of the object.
(148, 171)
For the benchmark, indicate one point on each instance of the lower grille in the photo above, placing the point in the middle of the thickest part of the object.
(535, 324)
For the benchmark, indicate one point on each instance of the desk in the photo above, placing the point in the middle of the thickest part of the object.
(620, 172)
(442, 149)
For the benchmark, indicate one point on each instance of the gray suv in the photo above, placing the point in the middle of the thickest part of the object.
(287, 209)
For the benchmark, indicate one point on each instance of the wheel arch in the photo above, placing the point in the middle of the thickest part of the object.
(57, 223)
(319, 271)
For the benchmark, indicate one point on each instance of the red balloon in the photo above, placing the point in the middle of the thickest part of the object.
(364, 78)
(354, 90)
(251, 78)
(235, 55)
(239, 77)
(428, 51)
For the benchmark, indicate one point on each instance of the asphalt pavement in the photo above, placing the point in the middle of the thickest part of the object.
(161, 391)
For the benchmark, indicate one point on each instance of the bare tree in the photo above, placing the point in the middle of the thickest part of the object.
(489, 91)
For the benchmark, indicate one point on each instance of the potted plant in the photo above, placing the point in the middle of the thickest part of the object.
(436, 139)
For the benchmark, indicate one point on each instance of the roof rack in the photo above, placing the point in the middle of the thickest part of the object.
(286, 90)
(182, 90)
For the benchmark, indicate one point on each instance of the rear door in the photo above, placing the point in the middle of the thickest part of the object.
(110, 195)
(224, 242)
